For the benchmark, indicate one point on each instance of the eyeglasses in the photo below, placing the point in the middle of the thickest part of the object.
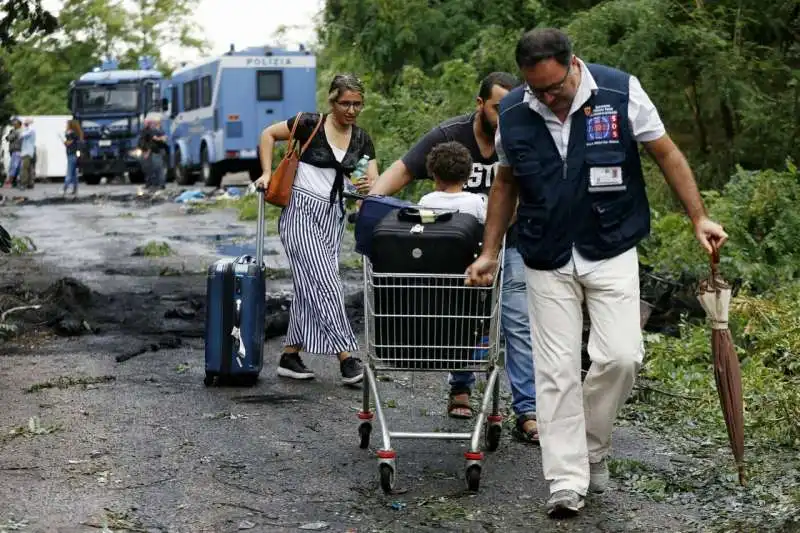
(552, 89)
(357, 106)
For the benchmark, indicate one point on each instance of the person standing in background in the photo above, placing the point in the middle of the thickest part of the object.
(14, 146)
(73, 139)
(153, 143)
(27, 155)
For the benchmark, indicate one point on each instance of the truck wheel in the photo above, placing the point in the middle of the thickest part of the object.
(136, 177)
(210, 172)
(182, 175)
(170, 172)
(92, 179)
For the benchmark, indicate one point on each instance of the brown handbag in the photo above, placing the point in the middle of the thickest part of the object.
(279, 189)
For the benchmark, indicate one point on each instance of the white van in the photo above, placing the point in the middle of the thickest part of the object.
(51, 155)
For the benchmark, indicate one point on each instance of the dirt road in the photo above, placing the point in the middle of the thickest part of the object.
(139, 444)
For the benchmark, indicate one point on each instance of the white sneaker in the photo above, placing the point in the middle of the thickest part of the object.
(564, 504)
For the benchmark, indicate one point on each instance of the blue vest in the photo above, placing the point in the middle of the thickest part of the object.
(582, 200)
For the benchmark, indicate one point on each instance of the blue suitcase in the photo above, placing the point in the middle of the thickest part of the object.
(373, 210)
(235, 314)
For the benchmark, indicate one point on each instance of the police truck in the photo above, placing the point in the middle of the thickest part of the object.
(216, 109)
(111, 105)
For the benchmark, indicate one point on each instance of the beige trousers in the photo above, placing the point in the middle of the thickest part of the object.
(575, 421)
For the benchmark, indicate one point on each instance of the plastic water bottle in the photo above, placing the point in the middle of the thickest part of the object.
(359, 173)
(361, 168)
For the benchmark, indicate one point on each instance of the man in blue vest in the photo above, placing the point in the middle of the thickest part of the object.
(567, 144)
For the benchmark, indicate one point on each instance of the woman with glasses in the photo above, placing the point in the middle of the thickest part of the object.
(312, 225)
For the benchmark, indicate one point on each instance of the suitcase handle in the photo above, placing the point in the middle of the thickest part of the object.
(423, 216)
(260, 227)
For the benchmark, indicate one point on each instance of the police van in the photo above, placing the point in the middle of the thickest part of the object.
(216, 109)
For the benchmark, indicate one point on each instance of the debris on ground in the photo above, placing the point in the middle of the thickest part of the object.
(164, 343)
(183, 312)
(64, 382)
(315, 526)
(191, 197)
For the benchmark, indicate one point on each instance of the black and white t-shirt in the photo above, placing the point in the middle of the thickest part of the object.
(457, 129)
(322, 163)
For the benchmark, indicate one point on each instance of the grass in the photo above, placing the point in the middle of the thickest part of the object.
(687, 414)
(22, 245)
(155, 249)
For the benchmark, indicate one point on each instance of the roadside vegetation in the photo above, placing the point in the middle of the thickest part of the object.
(726, 78)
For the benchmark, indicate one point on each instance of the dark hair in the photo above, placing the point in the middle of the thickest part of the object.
(75, 125)
(450, 162)
(501, 79)
(342, 83)
(543, 43)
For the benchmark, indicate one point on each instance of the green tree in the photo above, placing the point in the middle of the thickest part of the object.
(24, 18)
(100, 25)
(153, 24)
(43, 67)
(6, 107)
(725, 78)
(21, 19)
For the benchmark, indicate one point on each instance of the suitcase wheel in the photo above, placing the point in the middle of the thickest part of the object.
(250, 380)
(208, 380)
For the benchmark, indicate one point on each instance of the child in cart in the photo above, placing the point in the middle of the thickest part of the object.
(450, 165)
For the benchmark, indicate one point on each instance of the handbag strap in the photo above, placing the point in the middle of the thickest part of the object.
(313, 133)
(290, 141)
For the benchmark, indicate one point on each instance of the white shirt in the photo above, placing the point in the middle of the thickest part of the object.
(643, 118)
(318, 180)
(464, 202)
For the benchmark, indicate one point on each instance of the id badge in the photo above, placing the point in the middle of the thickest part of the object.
(605, 179)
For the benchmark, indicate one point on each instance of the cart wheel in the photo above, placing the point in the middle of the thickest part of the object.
(493, 432)
(387, 478)
(473, 478)
(208, 380)
(364, 431)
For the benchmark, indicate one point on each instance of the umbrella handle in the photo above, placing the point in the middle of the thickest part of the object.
(714, 266)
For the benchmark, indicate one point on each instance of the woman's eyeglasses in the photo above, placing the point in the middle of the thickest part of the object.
(357, 106)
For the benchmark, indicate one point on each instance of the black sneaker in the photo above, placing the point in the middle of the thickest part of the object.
(291, 366)
(352, 370)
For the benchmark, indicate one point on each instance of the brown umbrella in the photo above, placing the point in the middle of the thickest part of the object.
(715, 297)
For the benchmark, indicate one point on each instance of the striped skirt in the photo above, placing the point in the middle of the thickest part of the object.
(311, 231)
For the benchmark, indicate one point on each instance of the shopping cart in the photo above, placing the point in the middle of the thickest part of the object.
(431, 323)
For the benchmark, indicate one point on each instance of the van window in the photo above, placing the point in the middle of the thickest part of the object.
(173, 105)
(190, 99)
(205, 91)
(269, 85)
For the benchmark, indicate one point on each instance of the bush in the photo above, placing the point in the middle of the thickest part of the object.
(758, 211)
